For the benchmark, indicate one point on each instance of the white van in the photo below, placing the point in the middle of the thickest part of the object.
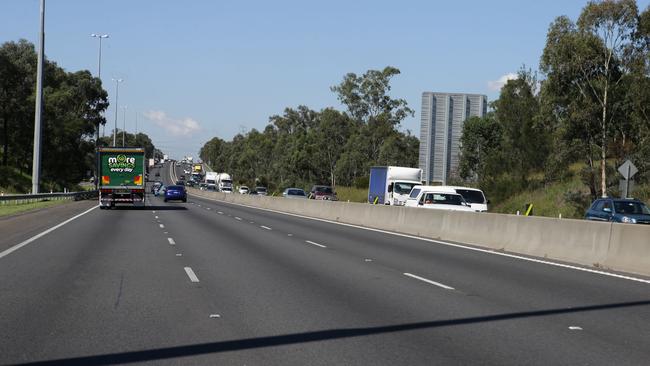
(473, 196)
(437, 198)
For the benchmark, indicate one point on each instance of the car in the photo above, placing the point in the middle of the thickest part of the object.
(243, 190)
(160, 190)
(261, 191)
(176, 192)
(474, 196)
(625, 210)
(294, 193)
(157, 174)
(190, 183)
(182, 177)
(437, 198)
(180, 183)
(322, 192)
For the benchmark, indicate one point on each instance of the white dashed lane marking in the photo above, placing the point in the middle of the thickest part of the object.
(171, 241)
(314, 243)
(265, 227)
(429, 281)
(191, 274)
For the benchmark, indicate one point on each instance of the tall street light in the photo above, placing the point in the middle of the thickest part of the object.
(124, 123)
(99, 76)
(99, 61)
(117, 89)
(38, 115)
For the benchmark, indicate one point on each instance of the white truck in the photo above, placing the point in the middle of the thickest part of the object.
(391, 185)
(224, 182)
(210, 180)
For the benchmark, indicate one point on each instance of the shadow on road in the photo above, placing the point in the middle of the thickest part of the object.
(315, 336)
(152, 208)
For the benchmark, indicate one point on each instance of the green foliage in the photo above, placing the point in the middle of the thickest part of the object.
(73, 106)
(303, 147)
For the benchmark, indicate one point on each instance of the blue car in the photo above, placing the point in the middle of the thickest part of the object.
(629, 211)
(175, 193)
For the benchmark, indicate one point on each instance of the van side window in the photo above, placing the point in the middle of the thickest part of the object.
(598, 205)
(414, 193)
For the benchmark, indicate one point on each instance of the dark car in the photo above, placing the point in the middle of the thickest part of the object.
(261, 191)
(175, 193)
(629, 211)
(319, 192)
(180, 182)
(294, 193)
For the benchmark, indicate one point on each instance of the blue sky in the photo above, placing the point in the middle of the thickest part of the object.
(197, 69)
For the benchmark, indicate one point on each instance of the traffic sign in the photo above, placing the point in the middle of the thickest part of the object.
(628, 169)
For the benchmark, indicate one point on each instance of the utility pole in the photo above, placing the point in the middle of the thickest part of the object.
(38, 118)
(99, 76)
(117, 89)
(124, 127)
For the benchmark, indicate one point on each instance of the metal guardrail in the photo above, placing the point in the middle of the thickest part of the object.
(28, 198)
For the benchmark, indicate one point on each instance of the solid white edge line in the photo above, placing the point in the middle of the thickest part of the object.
(265, 227)
(171, 241)
(429, 281)
(191, 274)
(316, 244)
(487, 251)
(37, 236)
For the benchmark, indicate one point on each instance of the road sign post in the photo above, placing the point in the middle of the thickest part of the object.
(627, 170)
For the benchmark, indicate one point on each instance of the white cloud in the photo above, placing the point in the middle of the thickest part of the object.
(498, 84)
(175, 127)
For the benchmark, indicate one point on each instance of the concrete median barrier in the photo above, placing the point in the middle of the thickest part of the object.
(619, 247)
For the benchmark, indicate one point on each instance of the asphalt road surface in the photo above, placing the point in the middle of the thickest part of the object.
(210, 283)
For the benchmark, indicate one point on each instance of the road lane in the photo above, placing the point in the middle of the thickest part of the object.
(110, 288)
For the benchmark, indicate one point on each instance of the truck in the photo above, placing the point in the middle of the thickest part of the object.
(224, 182)
(391, 185)
(152, 163)
(197, 168)
(121, 176)
(211, 180)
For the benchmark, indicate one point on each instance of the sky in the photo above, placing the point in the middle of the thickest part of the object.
(197, 69)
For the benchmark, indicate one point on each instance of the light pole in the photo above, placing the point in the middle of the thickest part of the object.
(124, 123)
(117, 89)
(38, 116)
(99, 61)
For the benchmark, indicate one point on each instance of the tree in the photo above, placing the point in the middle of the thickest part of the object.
(587, 62)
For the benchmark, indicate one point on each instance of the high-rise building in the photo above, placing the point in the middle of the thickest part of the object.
(441, 126)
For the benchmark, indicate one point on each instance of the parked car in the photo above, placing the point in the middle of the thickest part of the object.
(176, 193)
(319, 192)
(261, 191)
(294, 193)
(243, 190)
(626, 210)
(437, 198)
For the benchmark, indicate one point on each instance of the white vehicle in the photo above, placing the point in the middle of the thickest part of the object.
(224, 183)
(210, 180)
(437, 198)
(473, 196)
(243, 190)
(391, 185)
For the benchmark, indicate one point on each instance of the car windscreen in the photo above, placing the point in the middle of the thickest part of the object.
(326, 190)
(414, 193)
(260, 189)
(174, 188)
(296, 192)
(403, 188)
(631, 208)
(443, 199)
(471, 195)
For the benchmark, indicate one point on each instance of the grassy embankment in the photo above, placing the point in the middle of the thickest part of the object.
(14, 182)
(549, 201)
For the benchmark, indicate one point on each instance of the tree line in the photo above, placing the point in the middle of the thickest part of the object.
(73, 107)
(591, 108)
(302, 146)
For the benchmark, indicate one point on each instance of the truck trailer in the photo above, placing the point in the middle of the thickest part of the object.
(391, 185)
(121, 176)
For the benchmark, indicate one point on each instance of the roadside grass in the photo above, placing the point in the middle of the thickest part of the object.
(7, 209)
(14, 182)
(352, 194)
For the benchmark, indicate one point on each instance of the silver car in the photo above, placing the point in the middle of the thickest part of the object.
(294, 193)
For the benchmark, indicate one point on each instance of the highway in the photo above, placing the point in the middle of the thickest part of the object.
(207, 283)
